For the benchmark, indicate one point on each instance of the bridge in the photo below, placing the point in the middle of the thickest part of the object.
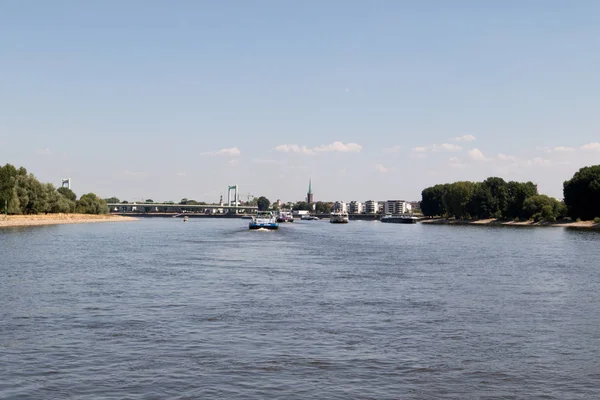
(166, 207)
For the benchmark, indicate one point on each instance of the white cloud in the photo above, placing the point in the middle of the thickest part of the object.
(393, 149)
(381, 168)
(43, 152)
(181, 174)
(591, 147)
(539, 162)
(504, 157)
(293, 148)
(419, 149)
(331, 147)
(476, 155)
(446, 147)
(564, 149)
(231, 151)
(465, 138)
(233, 163)
(557, 149)
(340, 147)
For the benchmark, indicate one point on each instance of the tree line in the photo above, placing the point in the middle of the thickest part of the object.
(496, 198)
(22, 193)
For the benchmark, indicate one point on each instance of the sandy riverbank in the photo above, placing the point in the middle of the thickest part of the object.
(55, 219)
(580, 224)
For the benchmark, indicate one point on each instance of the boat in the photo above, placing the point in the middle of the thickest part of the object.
(338, 217)
(399, 218)
(285, 216)
(186, 218)
(308, 217)
(263, 220)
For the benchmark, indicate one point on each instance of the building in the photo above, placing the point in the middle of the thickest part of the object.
(340, 206)
(371, 207)
(415, 205)
(309, 195)
(397, 207)
(356, 207)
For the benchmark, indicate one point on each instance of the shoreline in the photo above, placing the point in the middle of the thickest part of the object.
(58, 219)
(496, 222)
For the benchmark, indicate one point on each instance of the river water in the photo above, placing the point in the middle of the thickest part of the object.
(158, 308)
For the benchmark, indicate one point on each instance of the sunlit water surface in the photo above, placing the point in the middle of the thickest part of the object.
(158, 308)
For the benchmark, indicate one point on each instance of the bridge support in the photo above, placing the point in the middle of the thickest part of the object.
(235, 198)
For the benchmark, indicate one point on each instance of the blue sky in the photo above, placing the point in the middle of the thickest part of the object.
(373, 100)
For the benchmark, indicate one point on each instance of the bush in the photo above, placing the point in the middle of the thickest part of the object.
(91, 204)
(597, 220)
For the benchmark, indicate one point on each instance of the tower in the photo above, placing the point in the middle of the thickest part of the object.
(309, 195)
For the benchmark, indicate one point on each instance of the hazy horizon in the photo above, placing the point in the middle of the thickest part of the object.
(160, 100)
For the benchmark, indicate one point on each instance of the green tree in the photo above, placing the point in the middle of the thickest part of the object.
(33, 196)
(112, 200)
(582, 193)
(91, 204)
(518, 192)
(489, 199)
(8, 176)
(14, 206)
(58, 203)
(301, 205)
(432, 201)
(149, 201)
(457, 197)
(67, 193)
(543, 208)
(263, 203)
(323, 207)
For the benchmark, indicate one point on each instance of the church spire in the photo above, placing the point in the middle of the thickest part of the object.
(309, 186)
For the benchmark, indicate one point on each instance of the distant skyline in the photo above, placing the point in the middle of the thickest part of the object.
(378, 100)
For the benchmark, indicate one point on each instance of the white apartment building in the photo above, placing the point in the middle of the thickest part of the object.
(397, 207)
(340, 206)
(356, 207)
(371, 207)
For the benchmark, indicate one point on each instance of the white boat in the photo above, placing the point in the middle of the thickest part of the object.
(338, 217)
(186, 218)
(263, 220)
(399, 219)
(285, 216)
(308, 217)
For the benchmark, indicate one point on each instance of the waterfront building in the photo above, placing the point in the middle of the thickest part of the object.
(397, 207)
(340, 206)
(371, 207)
(356, 207)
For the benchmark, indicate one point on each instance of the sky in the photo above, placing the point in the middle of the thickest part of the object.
(162, 100)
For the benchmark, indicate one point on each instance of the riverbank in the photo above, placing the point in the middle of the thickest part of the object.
(58, 219)
(564, 224)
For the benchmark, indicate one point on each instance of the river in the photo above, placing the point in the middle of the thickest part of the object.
(158, 308)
